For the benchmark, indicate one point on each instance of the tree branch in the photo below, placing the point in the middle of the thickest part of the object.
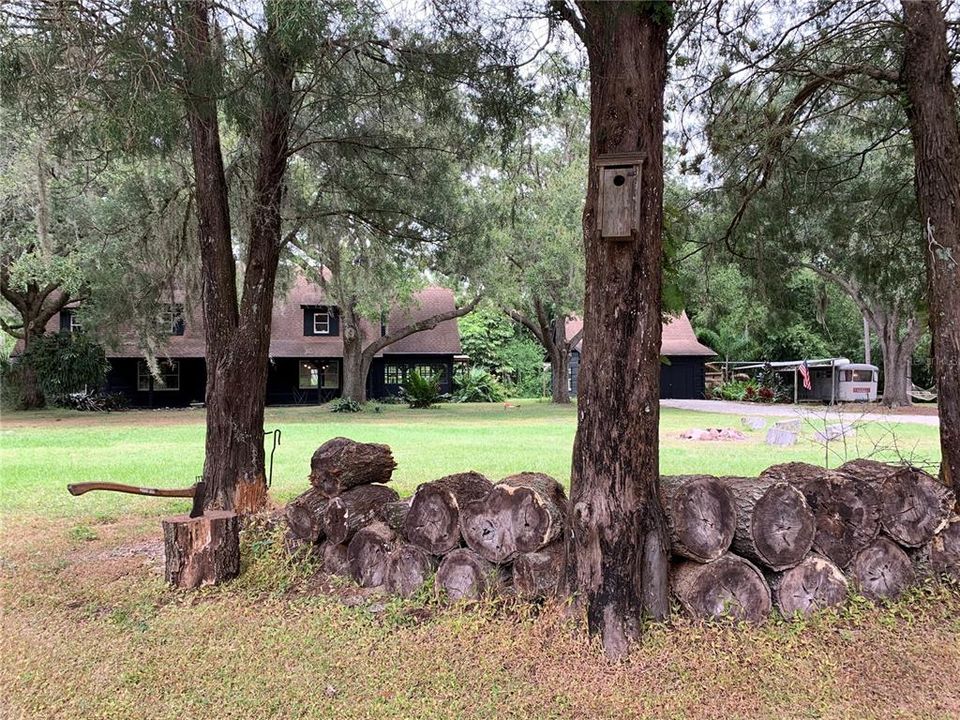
(419, 326)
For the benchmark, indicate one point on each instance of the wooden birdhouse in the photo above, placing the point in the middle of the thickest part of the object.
(618, 210)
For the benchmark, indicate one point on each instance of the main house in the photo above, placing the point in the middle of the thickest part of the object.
(306, 349)
(682, 374)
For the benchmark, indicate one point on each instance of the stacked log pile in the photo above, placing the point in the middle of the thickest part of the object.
(796, 538)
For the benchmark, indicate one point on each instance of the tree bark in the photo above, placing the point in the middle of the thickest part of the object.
(730, 586)
(897, 351)
(433, 521)
(775, 526)
(237, 334)
(395, 514)
(701, 515)
(201, 551)
(814, 584)
(341, 464)
(927, 76)
(618, 550)
(305, 515)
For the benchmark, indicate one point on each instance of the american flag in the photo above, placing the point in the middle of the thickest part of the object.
(805, 374)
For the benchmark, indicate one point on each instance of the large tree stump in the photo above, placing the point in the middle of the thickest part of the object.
(522, 513)
(356, 508)
(882, 570)
(201, 551)
(408, 567)
(305, 515)
(847, 514)
(464, 575)
(433, 521)
(394, 514)
(537, 574)
(729, 586)
(701, 515)
(335, 559)
(814, 584)
(340, 464)
(369, 552)
(775, 526)
(914, 506)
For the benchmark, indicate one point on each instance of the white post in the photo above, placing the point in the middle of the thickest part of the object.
(866, 341)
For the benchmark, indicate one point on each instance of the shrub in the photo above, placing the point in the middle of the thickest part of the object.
(345, 405)
(60, 364)
(421, 392)
(477, 385)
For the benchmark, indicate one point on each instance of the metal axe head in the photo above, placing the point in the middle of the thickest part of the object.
(199, 495)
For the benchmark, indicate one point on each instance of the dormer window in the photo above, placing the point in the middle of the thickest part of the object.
(321, 322)
(69, 321)
(170, 319)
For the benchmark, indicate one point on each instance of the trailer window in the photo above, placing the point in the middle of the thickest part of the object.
(863, 376)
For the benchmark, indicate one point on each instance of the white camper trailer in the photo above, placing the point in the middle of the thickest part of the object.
(856, 382)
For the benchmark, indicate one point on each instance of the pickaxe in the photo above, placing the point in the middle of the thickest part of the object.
(197, 492)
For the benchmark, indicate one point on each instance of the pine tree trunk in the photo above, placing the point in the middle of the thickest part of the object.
(618, 544)
(237, 334)
(935, 130)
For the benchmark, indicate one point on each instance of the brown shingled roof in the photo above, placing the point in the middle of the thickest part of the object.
(678, 337)
(287, 338)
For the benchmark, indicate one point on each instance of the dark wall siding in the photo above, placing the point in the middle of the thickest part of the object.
(283, 380)
(377, 387)
(122, 378)
(684, 378)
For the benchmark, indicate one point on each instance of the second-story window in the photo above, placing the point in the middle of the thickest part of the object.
(75, 324)
(170, 319)
(321, 322)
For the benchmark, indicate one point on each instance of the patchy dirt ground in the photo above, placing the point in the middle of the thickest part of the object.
(90, 631)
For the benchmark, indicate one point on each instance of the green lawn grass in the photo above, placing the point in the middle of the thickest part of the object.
(89, 630)
(41, 452)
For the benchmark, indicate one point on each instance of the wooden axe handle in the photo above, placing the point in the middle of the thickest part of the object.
(81, 488)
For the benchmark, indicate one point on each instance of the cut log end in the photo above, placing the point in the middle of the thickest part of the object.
(201, 551)
(914, 506)
(846, 513)
(408, 568)
(882, 571)
(701, 515)
(783, 527)
(304, 515)
(538, 574)
(433, 521)
(945, 550)
(368, 554)
(728, 587)
(523, 513)
(814, 584)
(345, 515)
(335, 558)
(464, 575)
